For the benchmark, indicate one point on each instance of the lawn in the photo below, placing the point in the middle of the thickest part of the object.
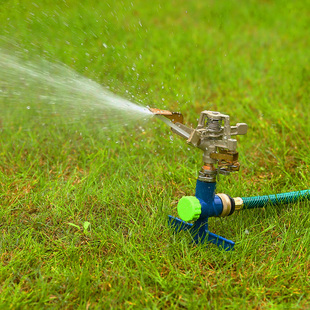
(85, 200)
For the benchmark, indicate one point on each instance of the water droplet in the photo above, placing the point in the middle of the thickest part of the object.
(28, 108)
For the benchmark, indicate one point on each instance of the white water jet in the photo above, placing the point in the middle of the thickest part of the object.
(44, 88)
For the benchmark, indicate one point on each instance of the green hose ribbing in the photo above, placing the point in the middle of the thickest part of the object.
(262, 201)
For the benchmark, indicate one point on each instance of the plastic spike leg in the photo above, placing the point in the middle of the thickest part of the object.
(178, 224)
(221, 242)
(201, 234)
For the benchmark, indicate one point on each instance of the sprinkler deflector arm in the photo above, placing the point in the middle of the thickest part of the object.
(175, 117)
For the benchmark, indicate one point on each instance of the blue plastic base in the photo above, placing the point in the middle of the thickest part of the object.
(201, 234)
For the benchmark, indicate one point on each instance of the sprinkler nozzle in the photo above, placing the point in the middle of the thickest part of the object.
(174, 117)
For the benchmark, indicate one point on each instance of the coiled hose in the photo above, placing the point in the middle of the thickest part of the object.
(284, 198)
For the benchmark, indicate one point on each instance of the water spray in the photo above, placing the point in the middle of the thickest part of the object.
(213, 135)
(44, 88)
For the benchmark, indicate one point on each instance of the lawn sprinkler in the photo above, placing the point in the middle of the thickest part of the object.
(213, 136)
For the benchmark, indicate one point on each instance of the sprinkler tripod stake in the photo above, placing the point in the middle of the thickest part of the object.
(213, 136)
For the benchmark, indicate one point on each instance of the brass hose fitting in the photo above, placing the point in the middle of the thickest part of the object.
(227, 205)
(238, 203)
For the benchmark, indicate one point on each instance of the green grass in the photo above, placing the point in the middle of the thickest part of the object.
(248, 59)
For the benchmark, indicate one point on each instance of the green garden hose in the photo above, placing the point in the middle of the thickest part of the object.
(283, 198)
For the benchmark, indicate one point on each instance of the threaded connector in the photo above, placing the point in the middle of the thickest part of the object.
(238, 203)
(228, 205)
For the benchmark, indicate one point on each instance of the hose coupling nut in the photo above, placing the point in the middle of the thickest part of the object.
(238, 203)
(228, 205)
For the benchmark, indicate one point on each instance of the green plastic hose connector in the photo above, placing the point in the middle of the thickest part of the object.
(189, 208)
